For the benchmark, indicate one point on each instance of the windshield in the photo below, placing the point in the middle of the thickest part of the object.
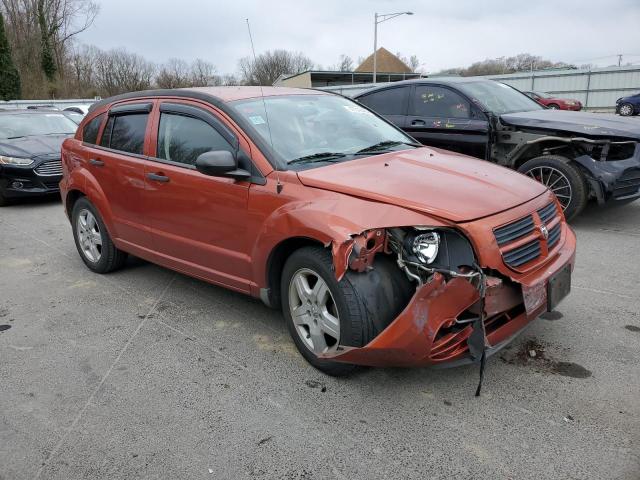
(499, 98)
(24, 125)
(312, 129)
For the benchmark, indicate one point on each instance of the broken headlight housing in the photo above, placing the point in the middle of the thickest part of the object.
(426, 246)
(423, 251)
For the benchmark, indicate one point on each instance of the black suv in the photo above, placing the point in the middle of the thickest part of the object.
(578, 155)
(30, 142)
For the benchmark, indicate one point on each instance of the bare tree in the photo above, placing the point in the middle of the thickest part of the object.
(269, 66)
(413, 62)
(202, 73)
(173, 74)
(519, 63)
(118, 71)
(345, 64)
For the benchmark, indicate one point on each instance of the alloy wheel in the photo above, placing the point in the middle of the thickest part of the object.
(89, 236)
(314, 312)
(556, 181)
(626, 110)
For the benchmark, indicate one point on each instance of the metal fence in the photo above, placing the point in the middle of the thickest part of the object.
(597, 89)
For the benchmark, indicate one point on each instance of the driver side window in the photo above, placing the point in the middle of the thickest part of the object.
(182, 139)
(431, 101)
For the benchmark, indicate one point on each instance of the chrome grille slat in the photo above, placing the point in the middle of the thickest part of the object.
(49, 168)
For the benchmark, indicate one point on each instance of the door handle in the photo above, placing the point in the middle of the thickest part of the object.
(96, 162)
(157, 177)
(418, 123)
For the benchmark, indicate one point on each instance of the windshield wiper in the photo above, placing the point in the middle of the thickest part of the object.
(318, 157)
(385, 145)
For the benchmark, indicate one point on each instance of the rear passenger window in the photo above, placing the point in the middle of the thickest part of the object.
(182, 139)
(125, 133)
(438, 102)
(387, 102)
(91, 129)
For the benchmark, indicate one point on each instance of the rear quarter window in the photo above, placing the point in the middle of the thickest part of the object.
(91, 129)
(391, 101)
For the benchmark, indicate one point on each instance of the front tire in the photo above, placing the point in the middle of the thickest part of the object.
(322, 313)
(626, 110)
(93, 242)
(553, 106)
(562, 178)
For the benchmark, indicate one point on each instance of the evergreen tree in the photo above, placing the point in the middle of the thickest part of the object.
(9, 77)
(48, 62)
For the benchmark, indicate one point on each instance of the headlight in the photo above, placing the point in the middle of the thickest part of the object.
(426, 246)
(15, 160)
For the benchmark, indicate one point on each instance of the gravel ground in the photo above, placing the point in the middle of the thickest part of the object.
(145, 373)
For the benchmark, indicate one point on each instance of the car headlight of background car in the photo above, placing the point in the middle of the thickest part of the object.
(4, 160)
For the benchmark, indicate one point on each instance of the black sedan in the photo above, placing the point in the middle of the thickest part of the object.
(30, 142)
(578, 155)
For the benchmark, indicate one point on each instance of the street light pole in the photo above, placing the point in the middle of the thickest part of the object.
(383, 18)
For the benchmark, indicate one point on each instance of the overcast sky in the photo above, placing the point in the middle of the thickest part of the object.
(442, 33)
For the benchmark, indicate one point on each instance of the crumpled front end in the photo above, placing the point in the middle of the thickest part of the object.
(490, 293)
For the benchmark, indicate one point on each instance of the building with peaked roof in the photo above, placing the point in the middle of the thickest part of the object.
(386, 62)
(390, 69)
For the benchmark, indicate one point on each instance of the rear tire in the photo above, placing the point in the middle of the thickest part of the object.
(92, 239)
(563, 179)
(626, 110)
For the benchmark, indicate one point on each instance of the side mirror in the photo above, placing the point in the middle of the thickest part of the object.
(220, 163)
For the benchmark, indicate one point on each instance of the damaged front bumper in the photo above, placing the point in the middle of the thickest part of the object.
(433, 330)
(613, 180)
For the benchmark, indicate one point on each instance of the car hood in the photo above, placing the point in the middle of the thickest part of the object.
(581, 123)
(437, 182)
(32, 146)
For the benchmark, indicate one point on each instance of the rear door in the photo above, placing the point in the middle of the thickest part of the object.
(391, 103)
(441, 117)
(117, 163)
(199, 222)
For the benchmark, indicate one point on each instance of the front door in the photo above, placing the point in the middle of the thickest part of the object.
(198, 222)
(441, 117)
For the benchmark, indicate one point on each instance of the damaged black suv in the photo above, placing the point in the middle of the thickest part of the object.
(578, 155)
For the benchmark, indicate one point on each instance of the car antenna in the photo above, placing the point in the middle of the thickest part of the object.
(264, 105)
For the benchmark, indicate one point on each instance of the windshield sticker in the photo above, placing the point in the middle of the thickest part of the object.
(257, 119)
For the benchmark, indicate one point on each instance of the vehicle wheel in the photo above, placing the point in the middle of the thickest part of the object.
(3, 200)
(553, 106)
(322, 313)
(562, 178)
(626, 110)
(92, 239)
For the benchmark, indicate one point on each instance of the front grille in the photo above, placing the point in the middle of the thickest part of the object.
(548, 212)
(554, 236)
(521, 242)
(50, 168)
(514, 231)
(521, 255)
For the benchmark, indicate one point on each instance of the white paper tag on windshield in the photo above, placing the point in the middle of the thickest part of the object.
(257, 119)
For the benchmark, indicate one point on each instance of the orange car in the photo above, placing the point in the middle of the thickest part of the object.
(380, 251)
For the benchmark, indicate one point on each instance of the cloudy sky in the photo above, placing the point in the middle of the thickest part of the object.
(442, 33)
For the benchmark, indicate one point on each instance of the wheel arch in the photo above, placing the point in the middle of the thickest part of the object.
(72, 197)
(275, 265)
